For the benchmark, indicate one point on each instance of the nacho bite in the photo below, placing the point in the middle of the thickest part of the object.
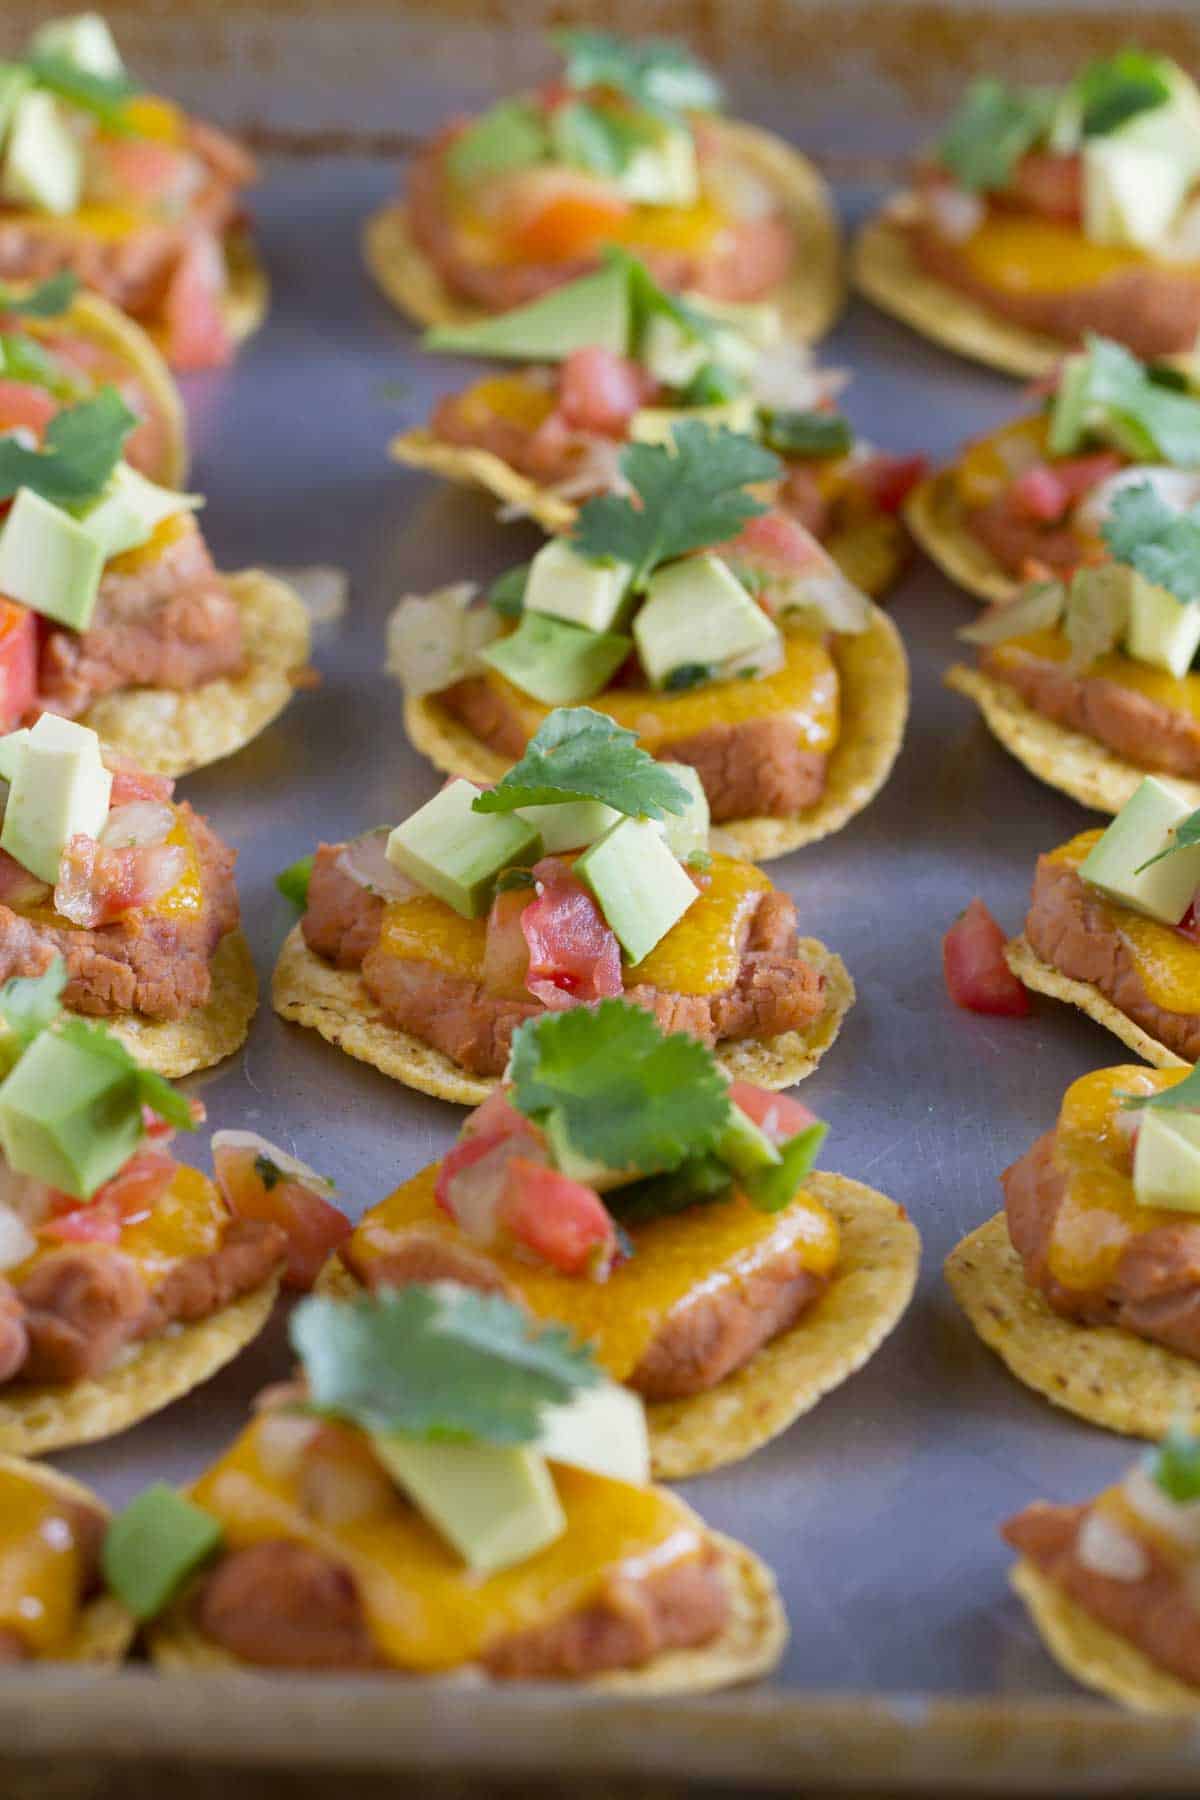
(619, 1185)
(584, 874)
(1086, 1285)
(112, 611)
(53, 1607)
(720, 632)
(612, 358)
(447, 1489)
(123, 190)
(1046, 214)
(625, 148)
(1030, 499)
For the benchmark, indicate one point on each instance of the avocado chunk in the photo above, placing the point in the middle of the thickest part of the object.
(85, 41)
(699, 617)
(559, 664)
(744, 1146)
(49, 562)
(656, 424)
(130, 510)
(43, 161)
(1166, 1161)
(1144, 827)
(1162, 631)
(70, 1115)
(565, 825)
(60, 787)
(497, 1506)
(1130, 194)
(687, 832)
(581, 590)
(601, 1429)
(594, 310)
(15, 81)
(637, 884)
(12, 748)
(153, 1545)
(456, 853)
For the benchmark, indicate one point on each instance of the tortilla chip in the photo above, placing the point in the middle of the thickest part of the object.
(884, 268)
(105, 1630)
(206, 1035)
(1028, 967)
(809, 301)
(1094, 1655)
(937, 519)
(336, 1002)
(874, 672)
(171, 732)
(248, 294)
(34, 1420)
(1106, 1376)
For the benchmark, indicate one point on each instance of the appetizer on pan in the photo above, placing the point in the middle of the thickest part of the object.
(625, 147)
(1089, 682)
(720, 632)
(612, 358)
(449, 1488)
(112, 612)
(1110, 1584)
(53, 1607)
(619, 1185)
(1046, 214)
(122, 189)
(584, 874)
(1088, 1284)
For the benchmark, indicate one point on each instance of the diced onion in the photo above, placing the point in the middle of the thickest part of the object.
(1036, 608)
(786, 378)
(16, 1240)
(341, 1493)
(1106, 1549)
(434, 640)
(1177, 488)
(1177, 1520)
(142, 823)
(323, 590)
(596, 471)
(825, 599)
(282, 1439)
(954, 213)
(365, 861)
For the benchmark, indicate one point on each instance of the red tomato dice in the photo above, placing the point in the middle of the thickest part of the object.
(977, 976)
(558, 1220)
(18, 662)
(260, 1182)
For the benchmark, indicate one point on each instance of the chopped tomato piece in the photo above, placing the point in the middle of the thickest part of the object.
(137, 168)
(126, 1199)
(197, 336)
(600, 391)
(558, 1220)
(505, 952)
(97, 884)
(779, 543)
(1045, 491)
(497, 1117)
(889, 480)
(260, 1182)
(1049, 184)
(25, 407)
(471, 1180)
(18, 662)
(775, 1114)
(574, 955)
(129, 785)
(977, 976)
(1189, 925)
(558, 214)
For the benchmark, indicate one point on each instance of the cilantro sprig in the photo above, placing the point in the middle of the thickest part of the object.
(1185, 836)
(104, 96)
(48, 300)
(82, 447)
(1113, 396)
(154, 1091)
(443, 1363)
(1113, 89)
(1143, 532)
(993, 128)
(689, 495)
(578, 754)
(30, 1003)
(1175, 1466)
(654, 73)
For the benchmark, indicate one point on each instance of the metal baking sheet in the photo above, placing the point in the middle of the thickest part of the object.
(909, 1659)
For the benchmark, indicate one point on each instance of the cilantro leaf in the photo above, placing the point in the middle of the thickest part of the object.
(1175, 1466)
(104, 96)
(589, 138)
(46, 301)
(1111, 395)
(82, 447)
(1183, 1096)
(1164, 546)
(441, 1362)
(1185, 836)
(647, 298)
(507, 593)
(510, 135)
(624, 1094)
(154, 1091)
(29, 1003)
(578, 754)
(692, 494)
(1116, 88)
(697, 1182)
(654, 73)
(993, 128)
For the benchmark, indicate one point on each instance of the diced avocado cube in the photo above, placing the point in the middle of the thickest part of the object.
(578, 589)
(12, 748)
(698, 615)
(49, 561)
(1166, 1161)
(15, 82)
(1162, 631)
(456, 853)
(60, 787)
(1144, 827)
(558, 664)
(43, 160)
(567, 825)
(687, 832)
(130, 510)
(84, 40)
(69, 1115)
(656, 424)
(510, 135)
(1130, 194)
(664, 172)
(496, 1506)
(744, 1146)
(594, 310)
(637, 884)
(601, 1429)
(153, 1545)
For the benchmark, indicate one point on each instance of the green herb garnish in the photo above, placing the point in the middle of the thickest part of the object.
(993, 128)
(661, 76)
(293, 881)
(83, 446)
(698, 1182)
(1111, 395)
(578, 754)
(29, 1003)
(1175, 1466)
(507, 593)
(1143, 532)
(104, 96)
(817, 434)
(46, 301)
(1116, 88)
(154, 1091)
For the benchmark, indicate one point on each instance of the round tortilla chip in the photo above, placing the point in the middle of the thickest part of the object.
(35, 1419)
(1028, 967)
(248, 292)
(169, 731)
(336, 1002)
(937, 519)
(884, 268)
(874, 678)
(1094, 1655)
(1077, 765)
(206, 1035)
(808, 301)
(751, 1644)
(105, 1630)
(1102, 1374)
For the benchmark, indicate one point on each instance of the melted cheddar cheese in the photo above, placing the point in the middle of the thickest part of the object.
(183, 901)
(1020, 254)
(1167, 962)
(425, 1610)
(1179, 693)
(714, 1248)
(986, 468)
(41, 1570)
(190, 1219)
(509, 398)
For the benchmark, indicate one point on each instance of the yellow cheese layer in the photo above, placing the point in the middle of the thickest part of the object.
(1167, 962)
(41, 1571)
(987, 466)
(190, 1219)
(711, 1248)
(1016, 253)
(426, 1610)
(183, 901)
(1179, 693)
(510, 398)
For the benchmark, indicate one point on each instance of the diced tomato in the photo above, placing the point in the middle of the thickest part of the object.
(160, 1131)
(977, 976)
(1189, 925)
(126, 1199)
(96, 884)
(558, 1220)
(777, 1115)
(600, 391)
(1049, 184)
(1045, 491)
(18, 662)
(574, 955)
(472, 1178)
(18, 887)
(129, 785)
(889, 480)
(260, 1182)
(777, 542)
(24, 407)
(142, 170)
(505, 952)
(197, 336)
(556, 215)
(497, 1117)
